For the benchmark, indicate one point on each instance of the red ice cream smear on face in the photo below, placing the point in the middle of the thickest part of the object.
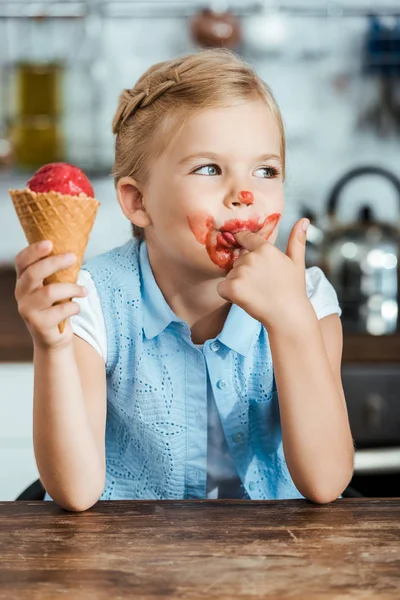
(246, 197)
(63, 178)
(220, 242)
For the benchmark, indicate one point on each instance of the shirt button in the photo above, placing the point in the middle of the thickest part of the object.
(221, 384)
(252, 485)
(237, 437)
(214, 346)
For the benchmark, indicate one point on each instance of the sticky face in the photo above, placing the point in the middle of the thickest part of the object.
(220, 243)
(246, 197)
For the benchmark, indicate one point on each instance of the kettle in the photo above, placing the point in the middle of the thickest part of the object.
(361, 260)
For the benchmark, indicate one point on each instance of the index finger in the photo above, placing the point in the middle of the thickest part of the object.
(249, 241)
(32, 254)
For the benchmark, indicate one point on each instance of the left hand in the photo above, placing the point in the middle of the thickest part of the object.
(265, 282)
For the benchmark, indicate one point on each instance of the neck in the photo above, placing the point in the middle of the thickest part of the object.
(195, 301)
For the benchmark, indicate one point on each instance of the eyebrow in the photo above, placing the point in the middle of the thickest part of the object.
(213, 156)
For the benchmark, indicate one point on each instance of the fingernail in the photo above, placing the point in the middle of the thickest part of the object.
(305, 223)
(83, 290)
(70, 258)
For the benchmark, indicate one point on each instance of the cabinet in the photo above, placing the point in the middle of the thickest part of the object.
(15, 340)
(17, 463)
(372, 396)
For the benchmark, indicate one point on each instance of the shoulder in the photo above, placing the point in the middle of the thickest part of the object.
(117, 270)
(321, 293)
(89, 323)
(124, 256)
(113, 284)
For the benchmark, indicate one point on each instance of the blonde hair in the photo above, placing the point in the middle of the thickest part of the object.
(169, 93)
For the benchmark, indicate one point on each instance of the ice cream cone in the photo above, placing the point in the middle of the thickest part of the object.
(65, 220)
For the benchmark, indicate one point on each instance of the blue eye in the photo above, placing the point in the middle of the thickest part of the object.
(211, 170)
(268, 172)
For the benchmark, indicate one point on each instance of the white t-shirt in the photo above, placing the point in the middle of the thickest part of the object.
(221, 473)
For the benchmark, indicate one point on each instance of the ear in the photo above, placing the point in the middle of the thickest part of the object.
(130, 198)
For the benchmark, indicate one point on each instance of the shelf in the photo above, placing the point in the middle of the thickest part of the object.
(158, 9)
(359, 348)
(43, 10)
(338, 9)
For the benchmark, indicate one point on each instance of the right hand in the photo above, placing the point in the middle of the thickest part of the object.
(35, 300)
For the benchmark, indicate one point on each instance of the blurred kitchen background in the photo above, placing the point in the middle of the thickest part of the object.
(335, 70)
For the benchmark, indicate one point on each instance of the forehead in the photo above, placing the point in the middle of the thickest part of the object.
(248, 127)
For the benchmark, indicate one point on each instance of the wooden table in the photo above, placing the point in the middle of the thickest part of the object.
(201, 549)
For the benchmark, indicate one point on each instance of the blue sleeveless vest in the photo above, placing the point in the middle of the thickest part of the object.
(156, 429)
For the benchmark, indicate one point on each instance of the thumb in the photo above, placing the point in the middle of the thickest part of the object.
(296, 246)
(222, 290)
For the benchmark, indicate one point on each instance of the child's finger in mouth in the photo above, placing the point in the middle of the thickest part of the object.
(227, 240)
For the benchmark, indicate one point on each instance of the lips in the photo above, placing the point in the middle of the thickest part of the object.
(236, 228)
(225, 237)
(227, 240)
(221, 248)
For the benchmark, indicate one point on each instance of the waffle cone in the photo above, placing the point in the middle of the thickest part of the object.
(65, 220)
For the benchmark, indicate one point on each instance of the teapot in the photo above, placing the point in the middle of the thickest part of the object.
(360, 259)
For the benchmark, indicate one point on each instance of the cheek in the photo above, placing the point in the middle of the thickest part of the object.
(200, 192)
(275, 192)
(203, 228)
(167, 206)
(271, 190)
(201, 224)
(190, 206)
(280, 201)
(185, 197)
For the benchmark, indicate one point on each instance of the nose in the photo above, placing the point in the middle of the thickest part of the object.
(246, 197)
(239, 199)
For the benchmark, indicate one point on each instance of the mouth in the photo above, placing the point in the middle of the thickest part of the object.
(225, 236)
(227, 239)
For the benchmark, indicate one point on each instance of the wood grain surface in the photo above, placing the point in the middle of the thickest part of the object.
(201, 549)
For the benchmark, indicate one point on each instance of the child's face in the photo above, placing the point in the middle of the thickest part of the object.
(221, 174)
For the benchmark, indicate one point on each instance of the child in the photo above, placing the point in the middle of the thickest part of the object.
(205, 362)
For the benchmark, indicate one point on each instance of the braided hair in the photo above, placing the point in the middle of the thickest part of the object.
(151, 113)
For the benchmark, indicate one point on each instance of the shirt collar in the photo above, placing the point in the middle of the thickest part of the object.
(157, 315)
(240, 330)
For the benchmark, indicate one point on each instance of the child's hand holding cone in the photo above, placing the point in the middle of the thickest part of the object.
(42, 307)
(57, 205)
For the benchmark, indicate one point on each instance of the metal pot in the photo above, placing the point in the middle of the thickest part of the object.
(361, 260)
(210, 28)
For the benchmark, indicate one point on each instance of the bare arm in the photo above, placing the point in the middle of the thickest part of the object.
(69, 415)
(271, 287)
(69, 408)
(316, 435)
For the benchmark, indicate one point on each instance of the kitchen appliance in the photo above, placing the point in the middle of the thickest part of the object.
(372, 398)
(360, 259)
